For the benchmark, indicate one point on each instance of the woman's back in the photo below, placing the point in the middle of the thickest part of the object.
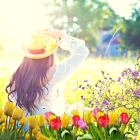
(58, 75)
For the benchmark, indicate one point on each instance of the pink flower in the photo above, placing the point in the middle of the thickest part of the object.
(94, 112)
(46, 115)
(82, 124)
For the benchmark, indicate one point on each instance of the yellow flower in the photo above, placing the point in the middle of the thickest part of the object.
(99, 114)
(8, 108)
(23, 121)
(31, 122)
(35, 130)
(41, 137)
(1, 111)
(65, 120)
(3, 118)
(22, 112)
(16, 115)
(40, 119)
(50, 43)
(113, 117)
(74, 112)
(87, 117)
(27, 136)
(95, 120)
(51, 117)
(11, 120)
(122, 110)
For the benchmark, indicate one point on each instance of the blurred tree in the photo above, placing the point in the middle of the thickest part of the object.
(81, 18)
(131, 30)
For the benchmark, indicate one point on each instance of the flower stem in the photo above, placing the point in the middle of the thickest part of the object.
(30, 134)
(56, 135)
(104, 133)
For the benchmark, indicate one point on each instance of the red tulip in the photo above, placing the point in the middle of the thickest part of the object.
(94, 112)
(103, 121)
(124, 118)
(46, 115)
(75, 120)
(55, 124)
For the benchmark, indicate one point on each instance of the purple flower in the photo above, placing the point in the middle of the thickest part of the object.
(126, 92)
(82, 97)
(99, 80)
(107, 73)
(105, 78)
(92, 92)
(58, 117)
(96, 85)
(80, 86)
(137, 93)
(106, 114)
(111, 96)
(83, 87)
(123, 97)
(82, 124)
(105, 102)
(113, 107)
(87, 84)
(122, 74)
(129, 70)
(90, 102)
(119, 79)
(113, 80)
(135, 74)
(109, 90)
(132, 89)
(85, 81)
(102, 72)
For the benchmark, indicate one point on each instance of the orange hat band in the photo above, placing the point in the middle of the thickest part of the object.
(39, 51)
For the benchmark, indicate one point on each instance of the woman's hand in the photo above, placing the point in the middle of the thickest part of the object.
(51, 31)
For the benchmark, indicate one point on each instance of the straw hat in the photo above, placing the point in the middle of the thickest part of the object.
(40, 46)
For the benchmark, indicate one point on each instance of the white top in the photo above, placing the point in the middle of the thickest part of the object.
(55, 101)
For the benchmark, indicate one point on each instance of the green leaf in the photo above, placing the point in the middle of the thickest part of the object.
(97, 131)
(51, 130)
(128, 133)
(12, 135)
(69, 137)
(69, 128)
(117, 125)
(2, 122)
(117, 135)
(92, 130)
(111, 130)
(100, 128)
(64, 132)
(46, 132)
(131, 127)
(130, 116)
(85, 137)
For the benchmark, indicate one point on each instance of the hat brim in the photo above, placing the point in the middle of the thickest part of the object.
(36, 56)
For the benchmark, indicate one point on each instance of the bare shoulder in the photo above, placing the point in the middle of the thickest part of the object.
(51, 72)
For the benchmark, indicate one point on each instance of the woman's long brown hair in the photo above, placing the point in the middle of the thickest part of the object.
(28, 80)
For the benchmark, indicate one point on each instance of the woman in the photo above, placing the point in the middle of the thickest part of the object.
(38, 82)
